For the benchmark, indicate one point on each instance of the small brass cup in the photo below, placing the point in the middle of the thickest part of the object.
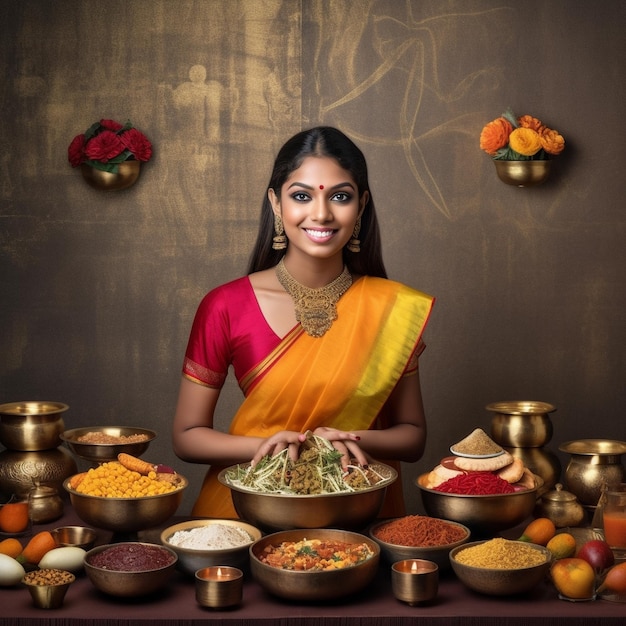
(415, 580)
(49, 596)
(219, 586)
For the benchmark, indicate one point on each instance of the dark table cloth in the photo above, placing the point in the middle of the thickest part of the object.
(374, 606)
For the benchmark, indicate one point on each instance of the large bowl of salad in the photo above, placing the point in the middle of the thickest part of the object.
(314, 492)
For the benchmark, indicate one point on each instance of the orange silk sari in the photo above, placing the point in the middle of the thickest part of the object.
(340, 380)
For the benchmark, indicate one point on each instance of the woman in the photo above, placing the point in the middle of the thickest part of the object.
(319, 339)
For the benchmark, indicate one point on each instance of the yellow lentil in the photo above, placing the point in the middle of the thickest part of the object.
(113, 480)
(501, 554)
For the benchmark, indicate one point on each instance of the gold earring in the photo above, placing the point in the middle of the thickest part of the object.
(354, 245)
(279, 242)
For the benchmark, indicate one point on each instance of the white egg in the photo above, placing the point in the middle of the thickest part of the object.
(11, 572)
(69, 558)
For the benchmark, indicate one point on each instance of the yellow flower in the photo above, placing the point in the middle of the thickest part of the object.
(551, 141)
(526, 141)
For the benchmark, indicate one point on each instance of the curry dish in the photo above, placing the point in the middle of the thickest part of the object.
(315, 555)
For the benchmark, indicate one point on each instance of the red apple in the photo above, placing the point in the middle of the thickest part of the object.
(597, 553)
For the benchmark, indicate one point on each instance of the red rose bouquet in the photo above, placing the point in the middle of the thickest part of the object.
(106, 144)
(510, 138)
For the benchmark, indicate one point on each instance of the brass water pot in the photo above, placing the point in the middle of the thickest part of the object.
(593, 464)
(18, 470)
(521, 423)
(31, 426)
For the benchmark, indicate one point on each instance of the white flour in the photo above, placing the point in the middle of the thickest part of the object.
(213, 536)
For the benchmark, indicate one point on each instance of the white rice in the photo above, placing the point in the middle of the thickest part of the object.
(212, 537)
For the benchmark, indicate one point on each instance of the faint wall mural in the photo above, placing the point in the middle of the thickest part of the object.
(408, 84)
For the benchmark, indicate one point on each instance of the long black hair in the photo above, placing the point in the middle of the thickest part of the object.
(322, 141)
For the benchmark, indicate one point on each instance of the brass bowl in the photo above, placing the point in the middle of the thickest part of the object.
(75, 536)
(108, 181)
(521, 423)
(523, 173)
(126, 515)
(103, 452)
(49, 596)
(393, 552)
(190, 560)
(501, 582)
(483, 515)
(313, 586)
(346, 510)
(124, 583)
(31, 426)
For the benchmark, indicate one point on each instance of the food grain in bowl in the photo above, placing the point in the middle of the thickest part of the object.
(100, 437)
(501, 554)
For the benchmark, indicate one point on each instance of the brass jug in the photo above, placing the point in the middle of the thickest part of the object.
(560, 506)
(44, 504)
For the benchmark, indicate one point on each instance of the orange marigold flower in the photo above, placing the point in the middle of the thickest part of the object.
(526, 141)
(551, 141)
(528, 121)
(495, 135)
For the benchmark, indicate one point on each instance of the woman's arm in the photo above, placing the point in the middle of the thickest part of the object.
(196, 441)
(194, 438)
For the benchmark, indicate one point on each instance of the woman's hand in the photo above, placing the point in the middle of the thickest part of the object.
(277, 443)
(345, 443)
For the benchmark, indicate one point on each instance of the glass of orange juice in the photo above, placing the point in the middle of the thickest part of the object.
(614, 517)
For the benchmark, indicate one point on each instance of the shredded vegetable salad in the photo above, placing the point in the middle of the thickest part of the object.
(318, 470)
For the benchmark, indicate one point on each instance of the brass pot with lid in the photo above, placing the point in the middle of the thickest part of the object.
(44, 503)
(560, 506)
(593, 464)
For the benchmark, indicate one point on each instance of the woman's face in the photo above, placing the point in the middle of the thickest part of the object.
(319, 205)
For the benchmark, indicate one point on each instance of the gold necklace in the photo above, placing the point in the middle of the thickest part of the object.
(315, 308)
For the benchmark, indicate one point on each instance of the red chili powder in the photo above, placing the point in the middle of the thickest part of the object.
(132, 558)
(419, 531)
(476, 484)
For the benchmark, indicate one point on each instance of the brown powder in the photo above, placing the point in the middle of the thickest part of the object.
(477, 443)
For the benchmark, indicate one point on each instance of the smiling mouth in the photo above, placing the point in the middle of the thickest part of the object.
(319, 234)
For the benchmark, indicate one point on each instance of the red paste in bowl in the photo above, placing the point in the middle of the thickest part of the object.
(132, 558)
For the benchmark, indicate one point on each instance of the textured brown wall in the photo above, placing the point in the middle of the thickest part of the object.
(99, 289)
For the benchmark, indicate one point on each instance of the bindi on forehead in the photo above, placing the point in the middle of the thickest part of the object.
(321, 186)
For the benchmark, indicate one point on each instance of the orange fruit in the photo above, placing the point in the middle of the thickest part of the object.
(11, 547)
(562, 545)
(574, 578)
(539, 531)
(14, 517)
